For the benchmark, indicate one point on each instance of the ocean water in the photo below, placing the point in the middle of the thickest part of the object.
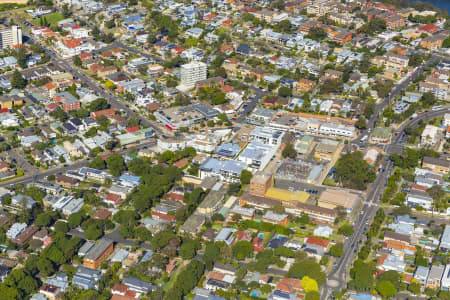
(440, 4)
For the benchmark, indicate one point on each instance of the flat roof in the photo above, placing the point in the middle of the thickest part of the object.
(285, 195)
(337, 198)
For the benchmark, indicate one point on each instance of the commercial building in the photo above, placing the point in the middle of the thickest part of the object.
(325, 149)
(334, 198)
(314, 124)
(266, 135)
(259, 184)
(436, 165)
(257, 155)
(135, 137)
(318, 213)
(98, 253)
(10, 37)
(381, 135)
(186, 116)
(229, 150)
(419, 199)
(431, 136)
(299, 171)
(226, 170)
(192, 72)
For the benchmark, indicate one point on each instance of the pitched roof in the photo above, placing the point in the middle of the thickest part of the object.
(317, 241)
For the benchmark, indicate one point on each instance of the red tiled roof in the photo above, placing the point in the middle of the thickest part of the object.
(153, 106)
(317, 241)
(181, 163)
(101, 214)
(227, 88)
(119, 297)
(428, 28)
(243, 235)
(106, 112)
(132, 129)
(72, 43)
(119, 288)
(52, 106)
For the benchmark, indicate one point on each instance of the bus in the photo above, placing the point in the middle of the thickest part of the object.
(438, 107)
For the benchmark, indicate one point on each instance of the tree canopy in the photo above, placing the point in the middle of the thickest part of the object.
(353, 171)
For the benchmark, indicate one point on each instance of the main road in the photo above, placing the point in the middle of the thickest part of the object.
(76, 165)
(337, 278)
(94, 86)
(394, 93)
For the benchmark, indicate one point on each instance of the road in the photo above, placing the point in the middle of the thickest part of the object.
(371, 124)
(113, 236)
(23, 163)
(337, 278)
(63, 169)
(118, 44)
(94, 86)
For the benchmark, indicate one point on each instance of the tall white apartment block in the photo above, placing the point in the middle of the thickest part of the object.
(10, 37)
(193, 72)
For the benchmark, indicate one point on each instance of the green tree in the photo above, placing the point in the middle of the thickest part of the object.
(362, 276)
(307, 268)
(61, 226)
(211, 254)
(414, 287)
(429, 99)
(189, 248)
(337, 250)
(93, 232)
(245, 177)
(289, 151)
(369, 110)
(361, 123)
(77, 61)
(115, 164)
(446, 43)
(313, 295)
(353, 171)
(386, 289)
(43, 220)
(284, 91)
(98, 104)
(242, 250)
(75, 219)
(317, 33)
(383, 88)
(17, 80)
(346, 229)
(97, 163)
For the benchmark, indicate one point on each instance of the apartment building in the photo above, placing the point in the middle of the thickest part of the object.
(10, 37)
(193, 72)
